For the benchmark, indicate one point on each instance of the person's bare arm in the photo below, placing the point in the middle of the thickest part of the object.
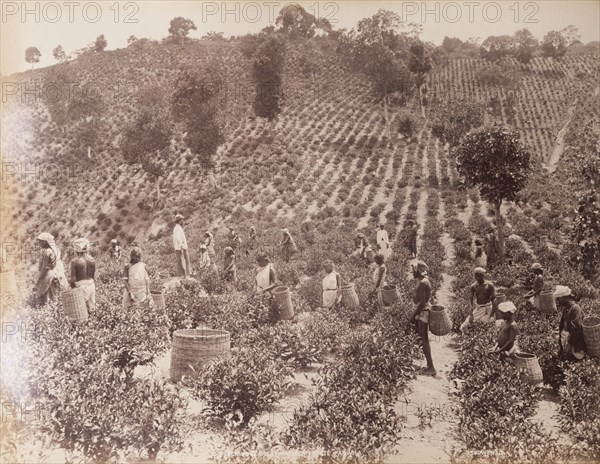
(72, 278)
(273, 279)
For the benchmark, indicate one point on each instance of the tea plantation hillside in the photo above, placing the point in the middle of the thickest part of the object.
(328, 147)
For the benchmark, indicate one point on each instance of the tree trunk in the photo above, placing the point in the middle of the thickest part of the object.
(89, 152)
(500, 229)
(386, 116)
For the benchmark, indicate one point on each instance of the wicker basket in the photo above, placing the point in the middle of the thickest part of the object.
(389, 294)
(8, 283)
(349, 296)
(283, 300)
(547, 302)
(159, 300)
(591, 335)
(194, 347)
(439, 321)
(74, 305)
(370, 256)
(528, 363)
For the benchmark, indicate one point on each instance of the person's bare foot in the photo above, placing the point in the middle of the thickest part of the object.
(429, 371)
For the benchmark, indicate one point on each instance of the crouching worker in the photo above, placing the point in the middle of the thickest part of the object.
(506, 343)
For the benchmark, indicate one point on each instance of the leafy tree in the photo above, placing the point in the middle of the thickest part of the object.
(419, 65)
(214, 36)
(195, 104)
(59, 54)
(495, 48)
(56, 86)
(380, 47)
(100, 43)
(494, 160)
(554, 45)
(131, 39)
(571, 35)
(32, 55)
(180, 27)
(267, 74)
(146, 141)
(454, 118)
(84, 112)
(451, 44)
(193, 90)
(295, 21)
(525, 45)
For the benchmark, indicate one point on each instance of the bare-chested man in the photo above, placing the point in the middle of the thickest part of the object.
(483, 295)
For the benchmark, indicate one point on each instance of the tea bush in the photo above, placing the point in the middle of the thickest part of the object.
(241, 386)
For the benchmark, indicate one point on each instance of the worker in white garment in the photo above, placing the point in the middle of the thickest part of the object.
(184, 268)
(383, 242)
(332, 286)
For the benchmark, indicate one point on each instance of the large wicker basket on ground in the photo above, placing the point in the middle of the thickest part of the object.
(528, 363)
(389, 294)
(194, 347)
(349, 296)
(591, 335)
(74, 305)
(283, 300)
(439, 321)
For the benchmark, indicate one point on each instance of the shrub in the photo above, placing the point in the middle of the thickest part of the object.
(241, 386)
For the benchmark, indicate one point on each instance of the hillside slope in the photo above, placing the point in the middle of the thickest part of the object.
(328, 150)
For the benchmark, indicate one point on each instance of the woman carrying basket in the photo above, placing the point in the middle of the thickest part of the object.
(332, 286)
(266, 278)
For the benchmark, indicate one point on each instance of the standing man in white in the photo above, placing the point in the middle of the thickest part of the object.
(184, 268)
(383, 242)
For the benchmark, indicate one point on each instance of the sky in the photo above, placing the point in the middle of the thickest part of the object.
(74, 24)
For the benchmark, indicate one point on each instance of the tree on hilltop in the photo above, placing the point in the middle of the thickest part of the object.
(180, 27)
(380, 47)
(571, 35)
(494, 160)
(554, 45)
(32, 55)
(59, 54)
(494, 48)
(296, 22)
(131, 39)
(100, 43)
(525, 45)
(267, 74)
